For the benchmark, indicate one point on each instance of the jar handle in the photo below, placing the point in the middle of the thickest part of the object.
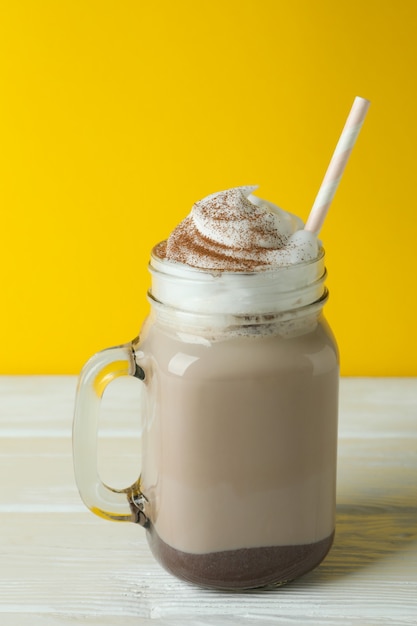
(121, 505)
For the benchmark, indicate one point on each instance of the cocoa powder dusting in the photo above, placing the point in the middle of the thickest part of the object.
(227, 231)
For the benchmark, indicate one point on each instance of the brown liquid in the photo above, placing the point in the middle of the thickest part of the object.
(239, 460)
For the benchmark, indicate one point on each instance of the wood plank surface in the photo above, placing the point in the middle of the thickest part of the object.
(61, 565)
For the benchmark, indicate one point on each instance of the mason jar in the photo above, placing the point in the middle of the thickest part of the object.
(239, 441)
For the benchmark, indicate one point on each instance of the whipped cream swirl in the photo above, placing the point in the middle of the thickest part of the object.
(234, 230)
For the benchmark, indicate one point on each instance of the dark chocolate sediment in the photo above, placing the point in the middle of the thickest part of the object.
(245, 568)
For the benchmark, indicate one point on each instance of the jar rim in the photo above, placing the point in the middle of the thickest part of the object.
(281, 288)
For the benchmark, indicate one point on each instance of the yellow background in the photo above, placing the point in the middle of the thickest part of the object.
(116, 116)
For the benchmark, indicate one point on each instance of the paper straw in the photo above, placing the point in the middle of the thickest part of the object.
(337, 165)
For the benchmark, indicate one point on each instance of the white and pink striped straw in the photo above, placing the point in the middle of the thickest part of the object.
(337, 165)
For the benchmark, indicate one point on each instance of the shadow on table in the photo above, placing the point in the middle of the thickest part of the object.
(366, 533)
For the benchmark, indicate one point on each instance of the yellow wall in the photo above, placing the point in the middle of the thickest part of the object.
(116, 116)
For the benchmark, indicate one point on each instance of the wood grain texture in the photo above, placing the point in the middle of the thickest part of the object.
(60, 565)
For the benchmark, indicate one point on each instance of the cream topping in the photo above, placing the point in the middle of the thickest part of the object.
(234, 230)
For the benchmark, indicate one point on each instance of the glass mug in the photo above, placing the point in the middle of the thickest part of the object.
(238, 477)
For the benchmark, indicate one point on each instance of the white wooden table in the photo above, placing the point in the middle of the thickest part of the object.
(61, 565)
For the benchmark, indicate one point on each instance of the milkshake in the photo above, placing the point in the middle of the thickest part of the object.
(239, 373)
(239, 444)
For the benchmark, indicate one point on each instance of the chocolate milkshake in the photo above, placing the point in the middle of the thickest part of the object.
(240, 393)
(239, 444)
